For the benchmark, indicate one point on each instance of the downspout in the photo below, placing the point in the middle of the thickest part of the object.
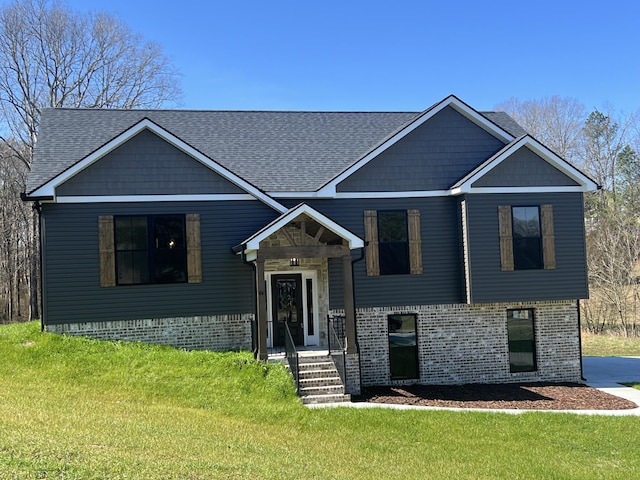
(254, 338)
(580, 340)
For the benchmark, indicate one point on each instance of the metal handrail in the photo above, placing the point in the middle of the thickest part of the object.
(337, 353)
(292, 356)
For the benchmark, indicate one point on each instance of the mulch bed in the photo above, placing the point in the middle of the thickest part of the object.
(533, 396)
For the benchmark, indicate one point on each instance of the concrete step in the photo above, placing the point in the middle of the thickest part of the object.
(326, 373)
(302, 359)
(322, 390)
(321, 382)
(329, 398)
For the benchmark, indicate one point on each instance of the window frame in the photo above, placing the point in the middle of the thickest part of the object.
(513, 368)
(154, 252)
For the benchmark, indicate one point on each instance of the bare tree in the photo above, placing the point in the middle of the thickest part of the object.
(51, 56)
(613, 248)
(555, 121)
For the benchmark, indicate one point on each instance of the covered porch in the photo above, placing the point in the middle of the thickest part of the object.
(290, 256)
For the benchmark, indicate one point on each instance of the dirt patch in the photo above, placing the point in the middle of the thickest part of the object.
(533, 396)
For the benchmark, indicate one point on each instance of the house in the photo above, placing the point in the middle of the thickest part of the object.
(450, 241)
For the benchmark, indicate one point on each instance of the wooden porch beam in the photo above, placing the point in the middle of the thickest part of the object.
(288, 236)
(349, 305)
(304, 251)
(261, 313)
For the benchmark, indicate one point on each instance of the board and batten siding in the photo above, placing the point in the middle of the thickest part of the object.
(71, 264)
(147, 165)
(564, 277)
(441, 278)
(432, 157)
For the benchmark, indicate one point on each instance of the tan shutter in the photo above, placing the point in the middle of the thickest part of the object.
(194, 257)
(415, 242)
(107, 251)
(506, 237)
(548, 237)
(371, 238)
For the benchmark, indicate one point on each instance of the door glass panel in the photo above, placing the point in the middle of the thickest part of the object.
(286, 301)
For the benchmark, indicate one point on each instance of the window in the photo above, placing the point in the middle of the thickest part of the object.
(394, 244)
(393, 240)
(403, 346)
(527, 239)
(150, 249)
(522, 344)
(144, 249)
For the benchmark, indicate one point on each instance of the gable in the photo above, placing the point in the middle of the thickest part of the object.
(431, 157)
(526, 157)
(146, 165)
(524, 168)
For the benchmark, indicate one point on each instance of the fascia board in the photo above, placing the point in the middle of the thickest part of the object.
(451, 101)
(48, 189)
(553, 189)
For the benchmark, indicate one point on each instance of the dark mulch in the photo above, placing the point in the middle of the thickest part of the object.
(533, 396)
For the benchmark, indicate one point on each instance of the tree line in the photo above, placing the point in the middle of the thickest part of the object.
(52, 56)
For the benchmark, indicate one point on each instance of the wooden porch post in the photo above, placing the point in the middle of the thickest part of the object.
(349, 305)
(261, 312)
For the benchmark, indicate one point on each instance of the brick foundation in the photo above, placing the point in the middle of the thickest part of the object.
(215, 332)
(461, 343)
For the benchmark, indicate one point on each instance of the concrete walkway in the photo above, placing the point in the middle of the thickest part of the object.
(603, 373)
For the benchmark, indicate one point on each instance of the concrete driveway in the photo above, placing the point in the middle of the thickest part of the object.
(608, 374)
(609, 371)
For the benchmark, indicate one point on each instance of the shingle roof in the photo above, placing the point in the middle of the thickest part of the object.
(277, 151)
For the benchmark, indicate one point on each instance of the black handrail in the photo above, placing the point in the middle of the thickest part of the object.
(336, 351)
(292, 356)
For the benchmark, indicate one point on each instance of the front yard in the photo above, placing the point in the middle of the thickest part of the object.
(75, 408)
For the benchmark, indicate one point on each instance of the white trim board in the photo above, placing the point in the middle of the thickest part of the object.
(155, 198)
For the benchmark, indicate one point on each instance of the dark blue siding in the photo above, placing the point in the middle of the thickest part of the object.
(432, 157)
(524, 169)
(71, 264)
(490, 284)
(441, 254)
(147, 165)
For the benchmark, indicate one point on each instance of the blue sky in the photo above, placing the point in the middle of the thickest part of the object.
(401, 55)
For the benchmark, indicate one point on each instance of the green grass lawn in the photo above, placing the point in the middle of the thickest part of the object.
(76, 408)
(609, 345)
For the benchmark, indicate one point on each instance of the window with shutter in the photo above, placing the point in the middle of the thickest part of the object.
(394, 244)
(139, 249)
(527, 238)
